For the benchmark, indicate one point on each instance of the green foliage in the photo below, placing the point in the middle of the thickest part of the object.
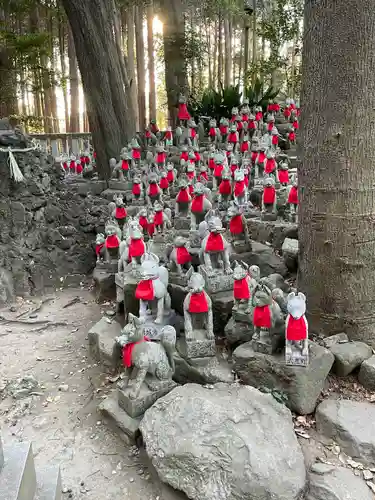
(258, 97)
(218, 104)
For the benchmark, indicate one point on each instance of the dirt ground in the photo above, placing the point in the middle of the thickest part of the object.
(61, 418)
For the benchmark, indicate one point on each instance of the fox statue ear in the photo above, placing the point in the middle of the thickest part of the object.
(290, 296)
(189, 272)
(302, 296)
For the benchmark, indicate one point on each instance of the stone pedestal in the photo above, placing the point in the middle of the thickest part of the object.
(159, 243)
(120, 185)
(153, 330)
(126, 285)
(303, 385)
(103, 347)
(104, 282)
(109, 267)
(241, 246)
(182, 223)
(200, 347)
(136, 407)
(210, 370)
(216, 281)
(269, 216)
(295, 358)
(178, 279)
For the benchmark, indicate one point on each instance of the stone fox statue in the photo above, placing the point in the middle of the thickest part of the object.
(153, 358)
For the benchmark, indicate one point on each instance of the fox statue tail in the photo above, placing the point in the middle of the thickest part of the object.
(168, 341)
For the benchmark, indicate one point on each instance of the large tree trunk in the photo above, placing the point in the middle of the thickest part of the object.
(129, 15)
(337, 175)
(110, 113)
(73, 79)
(8, 96)
(220, 57)
(151, 61)
(141, 70)
(62, 46)
(174, 53)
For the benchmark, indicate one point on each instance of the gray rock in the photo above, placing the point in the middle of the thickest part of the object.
(326, 482)
(238, 332)
(366, 374)
(351, 424)
(349, 356)
(202, 370)
(272, 232)
(302, 385)
(264, 257)
(290, 250)
(339, 338)
(104, 284)
(228, 442)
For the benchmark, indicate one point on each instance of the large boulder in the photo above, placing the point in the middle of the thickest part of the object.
(349, 356)
(226, 442)
(366, 374)
(263, 256)
(302, 385)
(327, 482)
(351, 424)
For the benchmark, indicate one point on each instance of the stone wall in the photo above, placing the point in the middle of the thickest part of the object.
(47, 228)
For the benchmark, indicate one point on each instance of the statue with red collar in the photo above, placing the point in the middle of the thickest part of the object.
(133, 247)
(215, 248)
(293, 200)
(180, 258)
(269, 199)
(147, 363)
(267, 319)
(244, 286)
(238, 228)
(118, 210)
(198, 312)
(154, 192)
(296, 331)
(200, 205)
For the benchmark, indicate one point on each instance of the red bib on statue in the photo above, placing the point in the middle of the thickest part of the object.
(112, 241)
(262, 317)
(215, 243)
(223, 129)
(136, 154)
(160, 158)
(183, 256)
(225, 187)
(275, 140)
(183, 113)
(127, 352)
(212, 132)
(184, 156)
(239, 188)
(136, 189)
(254, 155)
(183, 196)
(236, 225)
(293, 196)
(198, 303)
(143, 221)
(197, 156)
(269, 195)
(164, 184)
(137, 248)
(296, 329)
(158, 219)
(244, 147)
(145, 290)
(151, 229)
(292, 136)
(98, 248)
(120, 213)
(193, 133)
(153, 190)
(283, 176)
(190, 175)
(168, 135)
(241, 290)
(286, 112)
(124, 165)
(79, 168)
(270, 165)
(218, 170)
(72, 165)
(211, 164)
(258, 116)
(261, 157)
(197, 203)
(203, 175)
(233, 138)
(170, 176)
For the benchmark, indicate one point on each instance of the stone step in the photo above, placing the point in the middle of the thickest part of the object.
(126, 427)
(18, 478)
(49, 484)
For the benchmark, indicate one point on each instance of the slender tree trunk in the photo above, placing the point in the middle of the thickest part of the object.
(110, 113)
(293, 70)
(254, 51)
(62, 46)
(52, 75)
(228, 52)
(337, 175)
(8, 95)
(141, 70)
(176, 81)
(207, 27)
(220, 52)
(215, 54)
(151, 61)
(73, 79)
(131, 61)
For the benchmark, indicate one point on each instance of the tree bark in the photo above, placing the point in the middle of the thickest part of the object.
(151, 61)
(141, 70)
(337, 175)
(254, 52)
(220, 53)
(129, 15)
(207, 27)
(173, 18)
(62, 50)
(215, 54)
(110, 113)
(73, 79)
(228, 53)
